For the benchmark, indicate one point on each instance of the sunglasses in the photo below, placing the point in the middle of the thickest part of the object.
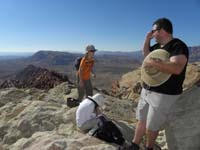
(153, 31)
(91, 51)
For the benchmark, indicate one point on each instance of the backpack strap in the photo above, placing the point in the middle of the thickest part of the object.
(95, 103)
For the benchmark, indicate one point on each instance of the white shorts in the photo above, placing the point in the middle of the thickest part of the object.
(154, 108)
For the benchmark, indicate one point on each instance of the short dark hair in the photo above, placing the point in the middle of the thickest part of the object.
(165, 24)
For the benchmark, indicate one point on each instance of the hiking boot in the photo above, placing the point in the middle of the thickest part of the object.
(131, 146)
(148, 148)
(156, 147)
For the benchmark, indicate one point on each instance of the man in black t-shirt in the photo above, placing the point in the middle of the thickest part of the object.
(155, 102)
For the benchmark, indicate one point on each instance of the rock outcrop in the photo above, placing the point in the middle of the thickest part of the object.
(183, 132)
(129, 86)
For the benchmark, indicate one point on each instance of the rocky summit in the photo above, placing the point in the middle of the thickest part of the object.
(39, 119)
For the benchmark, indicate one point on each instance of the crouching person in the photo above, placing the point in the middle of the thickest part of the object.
(87, 112)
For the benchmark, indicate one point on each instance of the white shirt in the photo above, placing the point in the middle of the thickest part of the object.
(85, 112)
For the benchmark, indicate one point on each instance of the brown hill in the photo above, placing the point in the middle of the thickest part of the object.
(37, 77)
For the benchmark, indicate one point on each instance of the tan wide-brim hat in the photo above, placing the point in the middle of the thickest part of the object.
(151, 76)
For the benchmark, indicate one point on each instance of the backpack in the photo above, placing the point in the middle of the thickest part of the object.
(77, 63)
(108, 131)
(72, 102)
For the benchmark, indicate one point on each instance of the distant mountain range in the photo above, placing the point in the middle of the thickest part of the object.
(58, 57)
(9, 57)
(14, 55)
(194, 53)
(137, 55)
(108, 64)
(52, 58)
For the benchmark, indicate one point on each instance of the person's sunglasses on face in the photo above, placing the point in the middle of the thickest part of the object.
(154, 30)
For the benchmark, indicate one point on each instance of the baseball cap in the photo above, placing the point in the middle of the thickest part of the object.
(91, 48)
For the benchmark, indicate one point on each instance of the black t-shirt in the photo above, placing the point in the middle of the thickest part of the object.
(173, 86)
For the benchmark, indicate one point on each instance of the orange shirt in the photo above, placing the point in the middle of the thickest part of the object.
(86, 67)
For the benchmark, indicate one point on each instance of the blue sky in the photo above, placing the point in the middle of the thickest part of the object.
(114, 25)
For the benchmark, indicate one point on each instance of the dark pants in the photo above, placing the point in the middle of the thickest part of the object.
(86, 89)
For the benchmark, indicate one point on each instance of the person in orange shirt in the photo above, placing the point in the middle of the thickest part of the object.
(84, 73)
